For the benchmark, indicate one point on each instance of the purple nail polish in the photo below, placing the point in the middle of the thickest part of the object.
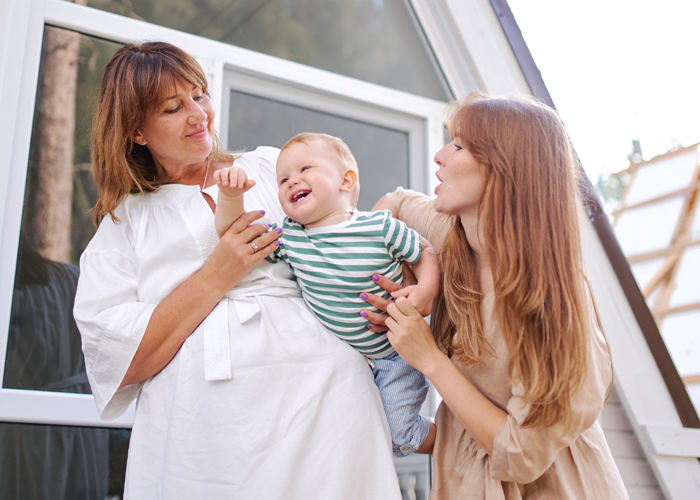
(375, 277)
(369, 326)
(277, 243)
(364, 314)
(278, 230)
(269, 225)
(364, 296)
(262, 212)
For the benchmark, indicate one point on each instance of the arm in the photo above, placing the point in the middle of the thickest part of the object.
(178, 315)
(427, 271)
(233, 182)
(411, 337)
(517, 454)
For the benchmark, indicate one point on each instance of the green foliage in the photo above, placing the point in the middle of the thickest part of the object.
(611, 187)
(372, 40)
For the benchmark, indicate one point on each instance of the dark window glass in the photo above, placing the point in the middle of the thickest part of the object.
(44, 347)
(381, 153)
(378, 41)
(42, 462)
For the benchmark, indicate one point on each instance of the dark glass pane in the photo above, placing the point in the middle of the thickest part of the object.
(44, 347)
(378, 41)
(381, 153)
(42, 462)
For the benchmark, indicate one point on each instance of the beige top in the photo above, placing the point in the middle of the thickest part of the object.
(572, 462)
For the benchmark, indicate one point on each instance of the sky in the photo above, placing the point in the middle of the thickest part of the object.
(618, 70)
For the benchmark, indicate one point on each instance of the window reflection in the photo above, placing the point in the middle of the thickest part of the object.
(378, 41)
(381, 152)
(41, 462)
(44, 346)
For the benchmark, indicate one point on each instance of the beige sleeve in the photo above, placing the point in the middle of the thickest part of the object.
(523, 455)
(416, 210)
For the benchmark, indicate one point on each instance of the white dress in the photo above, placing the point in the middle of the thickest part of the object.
(299, 417)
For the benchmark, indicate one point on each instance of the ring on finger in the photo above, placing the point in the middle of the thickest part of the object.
(255, 247)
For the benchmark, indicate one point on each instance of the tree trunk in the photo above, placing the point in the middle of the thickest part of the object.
(50, 179)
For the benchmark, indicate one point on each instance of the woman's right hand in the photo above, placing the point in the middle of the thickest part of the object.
(179, 314)
(234, 257)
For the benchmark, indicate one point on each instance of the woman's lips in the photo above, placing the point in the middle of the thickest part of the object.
(199, 133)
(436, 188)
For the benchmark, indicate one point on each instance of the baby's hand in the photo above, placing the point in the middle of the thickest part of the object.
(420, 296)
(233, 181)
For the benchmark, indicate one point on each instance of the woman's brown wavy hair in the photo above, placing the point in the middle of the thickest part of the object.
(530, 210)
(137, 80)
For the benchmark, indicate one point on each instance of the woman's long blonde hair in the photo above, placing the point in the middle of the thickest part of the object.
(137, 80)
(530, 210)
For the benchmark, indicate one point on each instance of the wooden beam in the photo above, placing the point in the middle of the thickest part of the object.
(691, 379)
(660, 313)
(678, 442)
(640, 257)
(694, 186)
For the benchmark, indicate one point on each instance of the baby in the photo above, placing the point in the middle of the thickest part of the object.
(337, 253)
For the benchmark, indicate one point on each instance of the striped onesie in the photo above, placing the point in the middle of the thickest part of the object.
(333, 266)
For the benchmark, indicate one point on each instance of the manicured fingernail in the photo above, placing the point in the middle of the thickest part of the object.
(262, 212)
(364, 314)
(269, 225)
(277, 243)
(369, 326)
(364, 296)
(375, 277)
(278, 230)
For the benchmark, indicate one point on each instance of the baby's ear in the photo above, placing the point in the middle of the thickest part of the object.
(349, 180)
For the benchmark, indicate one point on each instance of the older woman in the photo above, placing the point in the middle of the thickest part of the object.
(515, 349)
(241, 393)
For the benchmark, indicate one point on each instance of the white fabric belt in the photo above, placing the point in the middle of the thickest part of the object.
(217, 340)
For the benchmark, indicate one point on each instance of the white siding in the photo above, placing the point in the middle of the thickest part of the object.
(634, 468)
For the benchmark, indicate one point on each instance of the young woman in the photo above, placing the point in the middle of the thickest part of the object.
(515, 349)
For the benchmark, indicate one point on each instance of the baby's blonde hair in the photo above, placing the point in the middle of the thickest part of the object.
(337, 146)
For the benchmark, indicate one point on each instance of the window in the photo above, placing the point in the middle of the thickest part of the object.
(45, 402)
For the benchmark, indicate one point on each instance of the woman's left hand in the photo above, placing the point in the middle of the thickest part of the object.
(411, 336)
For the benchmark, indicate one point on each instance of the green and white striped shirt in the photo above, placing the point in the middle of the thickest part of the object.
(335, 264)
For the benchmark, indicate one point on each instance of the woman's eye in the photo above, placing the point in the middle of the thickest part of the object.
(171, 111)
(199, 97)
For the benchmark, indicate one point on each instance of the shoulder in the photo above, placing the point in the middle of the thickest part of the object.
(115, 233)
(264, 157)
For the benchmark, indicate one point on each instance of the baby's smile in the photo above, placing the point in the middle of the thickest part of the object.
(297, 196)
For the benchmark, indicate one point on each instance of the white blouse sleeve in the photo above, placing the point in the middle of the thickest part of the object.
(109, 315)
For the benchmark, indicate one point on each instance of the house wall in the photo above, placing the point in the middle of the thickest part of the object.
(633, 465)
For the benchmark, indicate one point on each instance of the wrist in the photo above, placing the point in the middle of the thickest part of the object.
(435, 363)
(231, 197)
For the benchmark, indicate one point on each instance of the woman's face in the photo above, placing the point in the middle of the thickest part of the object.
(462, 181)
(179, 132)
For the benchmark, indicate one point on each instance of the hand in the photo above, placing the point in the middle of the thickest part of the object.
(233, 257)
(420, 296)
(411, 336)
(233, 181)
(377, 319)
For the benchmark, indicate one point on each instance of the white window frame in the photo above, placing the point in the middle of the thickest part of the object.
(21, 34)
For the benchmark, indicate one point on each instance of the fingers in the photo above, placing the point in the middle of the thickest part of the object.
(385, 283)
(245, 220)
(402, 307)
(234, 178)
(375, 300)
(376, 320)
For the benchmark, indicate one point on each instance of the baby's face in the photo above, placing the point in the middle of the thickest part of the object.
(310, 180)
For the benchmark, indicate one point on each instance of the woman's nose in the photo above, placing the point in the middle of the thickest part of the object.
(197, 113)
